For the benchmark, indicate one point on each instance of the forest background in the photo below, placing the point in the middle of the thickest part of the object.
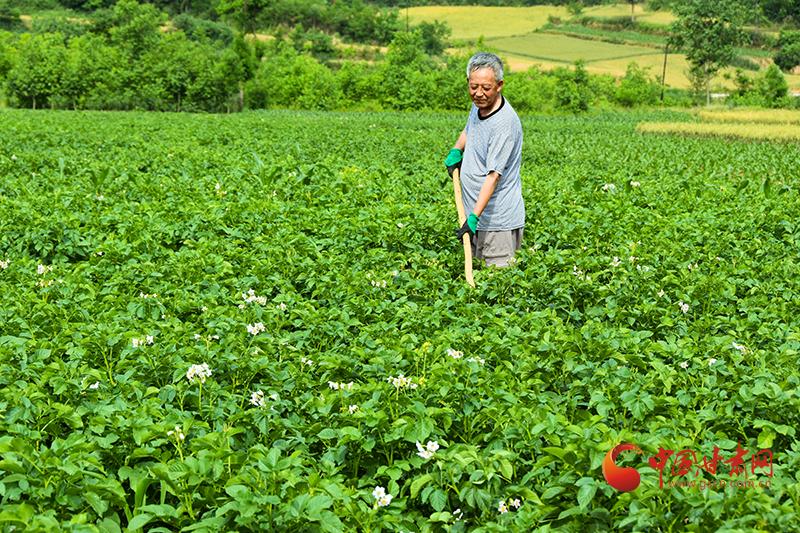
(229, 55)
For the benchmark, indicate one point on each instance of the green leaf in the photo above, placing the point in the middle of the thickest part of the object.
(419, 483)
(139, 521)
(585, 495)
(330, 522)
(316, 504)
(99, 505)
(438, 499)
(328, 433)
(765, 438)
(108, 526)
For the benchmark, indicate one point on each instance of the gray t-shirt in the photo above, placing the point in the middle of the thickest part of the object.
(494, 143)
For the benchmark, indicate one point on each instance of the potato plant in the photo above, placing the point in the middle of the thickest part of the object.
(259, 322)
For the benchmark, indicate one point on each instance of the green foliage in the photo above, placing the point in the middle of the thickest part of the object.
(636, 88)
(7, 54)
(161, 225)
(774, 87)
(136, 27)
(57, 24)
(434, 37)
(215, 31)
(788, 56)
(38, 69)
(573, 88)
(575, 8)
(292, 80)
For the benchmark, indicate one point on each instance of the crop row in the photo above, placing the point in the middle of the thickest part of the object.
(260, 322)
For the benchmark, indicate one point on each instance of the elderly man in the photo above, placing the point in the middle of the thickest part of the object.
(488, 154)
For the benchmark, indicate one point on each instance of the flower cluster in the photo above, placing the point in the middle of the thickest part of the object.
(476, 359)
(711, 361)
(250, 296)
(257, 399)
(428, 451)
(690, 267)
(281, 306)
(254, 329)
(340, 386)
(616, 262)
(199, 372)
(401, 381)
(381, 283)
(579, 274)
(44, 269)
(503, 508)
(142, 342)
(455, 354)
(305, 361)
(220, 192)
(458, 515)
(198, 337)
(684, 307)
(94, 385)
(177, 432)
(643, 268)
(635, 184)
(608, 187)
(143, 295)
(740, 347)
(5, 263)
(382, 498)
(352, 409)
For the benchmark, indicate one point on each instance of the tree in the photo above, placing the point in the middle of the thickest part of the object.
(707, 31)
(633, 4)
(136, 27)
(243, 11)
(37, 74)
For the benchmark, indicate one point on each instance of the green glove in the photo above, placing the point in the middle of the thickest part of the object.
(470, 226)
(453, 160)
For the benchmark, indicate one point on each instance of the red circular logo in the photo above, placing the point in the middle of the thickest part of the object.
(622, 479)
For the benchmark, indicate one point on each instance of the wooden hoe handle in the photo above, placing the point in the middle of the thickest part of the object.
(461, 219)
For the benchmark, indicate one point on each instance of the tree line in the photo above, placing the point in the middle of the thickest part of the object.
(134, 59)
(134, 64)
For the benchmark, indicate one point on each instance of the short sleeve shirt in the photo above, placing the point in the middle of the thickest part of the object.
(494, 143)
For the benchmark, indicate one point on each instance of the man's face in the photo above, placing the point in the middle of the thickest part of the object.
(484, 89)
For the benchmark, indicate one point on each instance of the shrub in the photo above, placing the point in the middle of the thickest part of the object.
(636, 88)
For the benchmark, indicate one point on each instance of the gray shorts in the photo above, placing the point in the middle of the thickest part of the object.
(496, 247)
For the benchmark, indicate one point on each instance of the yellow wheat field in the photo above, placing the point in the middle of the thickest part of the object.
(468, 23)
(741, 132)
(752, 116)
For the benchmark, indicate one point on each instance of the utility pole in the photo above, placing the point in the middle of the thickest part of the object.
(664, 72)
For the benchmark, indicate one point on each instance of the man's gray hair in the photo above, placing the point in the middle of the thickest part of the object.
(483, 60)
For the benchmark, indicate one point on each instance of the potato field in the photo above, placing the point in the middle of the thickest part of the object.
(259, 322)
